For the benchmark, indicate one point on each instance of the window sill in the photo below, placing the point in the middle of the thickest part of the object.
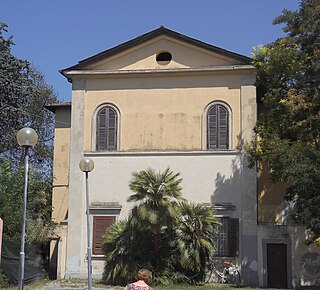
(97, 257)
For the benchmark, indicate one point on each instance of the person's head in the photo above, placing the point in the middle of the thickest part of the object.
(145, 275)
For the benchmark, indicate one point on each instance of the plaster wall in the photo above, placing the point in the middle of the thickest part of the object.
(248, 240)
(60, 197)
(76, 220)
(271, 199)
(163, 113)
(207, 177)
(60, 192)
(61, 170)
(61, 156)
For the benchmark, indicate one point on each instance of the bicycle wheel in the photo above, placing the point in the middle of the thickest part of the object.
(234, 278)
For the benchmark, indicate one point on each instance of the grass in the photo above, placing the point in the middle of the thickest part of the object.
(38, 285)
(187, 287)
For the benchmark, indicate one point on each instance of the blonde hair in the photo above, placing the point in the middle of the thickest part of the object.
(145, 275)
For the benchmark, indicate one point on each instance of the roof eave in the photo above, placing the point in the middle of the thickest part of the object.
(54, 106)
(233, 68)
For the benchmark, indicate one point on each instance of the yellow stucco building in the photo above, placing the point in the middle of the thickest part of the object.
(160, 100)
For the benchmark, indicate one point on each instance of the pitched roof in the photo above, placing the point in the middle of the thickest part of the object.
(148, 36)
(54, 106)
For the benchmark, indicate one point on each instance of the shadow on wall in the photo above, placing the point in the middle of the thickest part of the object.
(229, 197)
(227, 188)
(272, 206)
(310, 269)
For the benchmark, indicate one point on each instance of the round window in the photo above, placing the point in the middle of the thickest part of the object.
(164, 58)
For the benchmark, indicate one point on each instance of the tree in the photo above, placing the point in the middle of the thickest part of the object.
(126, 250)
(163, 233)
(38, 207)
(289, 111)
(156, 211)
(157, 196)
(196, 239)
(23, 95)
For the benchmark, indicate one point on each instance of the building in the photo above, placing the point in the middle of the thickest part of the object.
(161, 100)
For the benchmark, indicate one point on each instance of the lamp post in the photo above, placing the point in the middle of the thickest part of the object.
(86, 165)
(26, 138)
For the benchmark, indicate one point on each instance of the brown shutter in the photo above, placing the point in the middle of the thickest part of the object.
(101, 130)
(100, 225)
(106, 134)
(233, 237)
(223, 128)
(212, 127)
(112, 130)
(218, 128)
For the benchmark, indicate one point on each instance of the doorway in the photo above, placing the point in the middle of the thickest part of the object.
(277, 274)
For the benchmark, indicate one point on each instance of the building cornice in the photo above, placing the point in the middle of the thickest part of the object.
(160, 153)
(159, 72)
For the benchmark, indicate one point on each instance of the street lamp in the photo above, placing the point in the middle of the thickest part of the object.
(26, 138)
(86, 165)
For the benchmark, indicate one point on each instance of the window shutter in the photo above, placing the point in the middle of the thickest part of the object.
(112, 130)
(218, 127)
(101, 130)
(212, 128)
(100, 225)
(106, 134)
(233, 237)
(223, 128)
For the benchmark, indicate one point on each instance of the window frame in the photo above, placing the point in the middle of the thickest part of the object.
(95, 127)
(205, 139)
(230, 237)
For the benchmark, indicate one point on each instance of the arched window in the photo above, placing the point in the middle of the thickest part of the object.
(217, 127)
(107, 123)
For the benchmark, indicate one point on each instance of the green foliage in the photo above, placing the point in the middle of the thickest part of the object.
(38, 214)
(126, 250)
(4, 283)
(164, 233)
(195, 240)
(289, 111)
(156, 196)
(23, 95)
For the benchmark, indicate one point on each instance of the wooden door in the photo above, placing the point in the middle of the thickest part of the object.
(277, 266)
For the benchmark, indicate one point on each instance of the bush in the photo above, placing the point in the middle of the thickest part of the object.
(4, 283)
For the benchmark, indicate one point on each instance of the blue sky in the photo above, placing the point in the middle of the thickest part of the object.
(56, 34)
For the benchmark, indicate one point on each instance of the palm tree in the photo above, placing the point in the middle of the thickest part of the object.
(196, 239)
(164, 233)
(157, 196)
(126, 250)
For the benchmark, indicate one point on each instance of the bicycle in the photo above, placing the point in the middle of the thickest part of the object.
(224, 272)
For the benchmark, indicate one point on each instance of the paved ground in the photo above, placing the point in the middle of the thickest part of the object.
(72, 285)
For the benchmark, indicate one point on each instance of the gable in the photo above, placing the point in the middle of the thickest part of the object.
(145, 55)
(141, 54)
